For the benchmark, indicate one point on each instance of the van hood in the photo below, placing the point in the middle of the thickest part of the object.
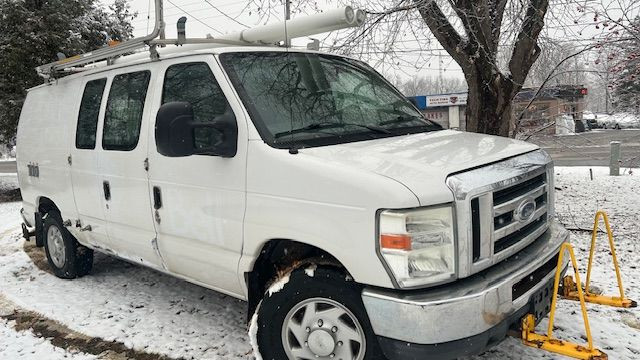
(422, 162)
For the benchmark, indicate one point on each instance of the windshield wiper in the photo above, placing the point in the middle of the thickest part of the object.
(318, 127)
(411, 118)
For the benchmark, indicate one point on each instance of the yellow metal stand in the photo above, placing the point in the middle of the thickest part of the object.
(548, 342)
(570, 288)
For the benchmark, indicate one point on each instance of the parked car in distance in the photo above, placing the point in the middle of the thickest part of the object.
(591, 119)
(301, 182)
(619, 121)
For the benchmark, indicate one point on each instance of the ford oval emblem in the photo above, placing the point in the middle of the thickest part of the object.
(525, 210)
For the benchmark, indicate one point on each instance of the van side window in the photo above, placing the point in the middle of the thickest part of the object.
(124, 111)
(194, 83)
(89, 112)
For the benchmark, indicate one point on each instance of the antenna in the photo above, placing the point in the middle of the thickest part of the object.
(270, 34)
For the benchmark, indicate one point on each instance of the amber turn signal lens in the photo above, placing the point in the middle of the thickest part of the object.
(395, 241)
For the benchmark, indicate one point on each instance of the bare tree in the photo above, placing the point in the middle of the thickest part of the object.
(426, 85)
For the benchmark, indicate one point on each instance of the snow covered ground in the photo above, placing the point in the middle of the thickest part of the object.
(155, 314)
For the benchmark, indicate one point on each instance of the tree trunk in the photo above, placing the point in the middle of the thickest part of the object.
(489, 103)
(490, 91)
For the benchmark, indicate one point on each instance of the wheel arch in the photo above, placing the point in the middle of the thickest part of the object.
(44, 205)
(280, 256)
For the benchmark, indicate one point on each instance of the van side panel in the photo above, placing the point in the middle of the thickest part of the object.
(43, 140)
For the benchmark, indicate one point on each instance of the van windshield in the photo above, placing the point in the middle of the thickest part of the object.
(307, 99)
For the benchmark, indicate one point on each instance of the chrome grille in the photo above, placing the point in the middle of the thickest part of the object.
(490, 209)
(508, 230)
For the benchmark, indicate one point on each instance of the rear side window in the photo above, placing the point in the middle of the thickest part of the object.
(89, 112)
(124, 111)
(194, 83)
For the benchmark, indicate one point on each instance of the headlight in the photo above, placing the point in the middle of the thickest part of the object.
(418, 245)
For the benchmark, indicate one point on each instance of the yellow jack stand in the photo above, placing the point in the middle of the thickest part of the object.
(548, 342)
(570, 288)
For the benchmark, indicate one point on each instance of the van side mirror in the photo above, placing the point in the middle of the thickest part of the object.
(179, 135)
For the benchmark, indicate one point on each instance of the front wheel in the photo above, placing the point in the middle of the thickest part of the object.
(318, 316)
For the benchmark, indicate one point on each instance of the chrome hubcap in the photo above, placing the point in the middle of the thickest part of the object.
(321, 328)
(55, 244)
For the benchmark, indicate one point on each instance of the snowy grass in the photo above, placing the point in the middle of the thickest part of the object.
(149, 311)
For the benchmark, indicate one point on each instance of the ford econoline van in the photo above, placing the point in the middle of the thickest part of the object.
(301, 182)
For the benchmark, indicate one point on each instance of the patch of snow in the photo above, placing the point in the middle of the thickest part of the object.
(253, 334)
(311, 270)
(588, 115)
(16, 345)
(279, 285)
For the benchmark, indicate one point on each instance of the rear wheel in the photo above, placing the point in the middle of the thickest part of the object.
(316, 317)
(67, 258)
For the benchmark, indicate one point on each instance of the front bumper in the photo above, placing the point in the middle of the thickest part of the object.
(470, 315)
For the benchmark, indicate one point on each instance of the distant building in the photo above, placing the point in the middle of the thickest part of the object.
(449, 110)
(551, 105)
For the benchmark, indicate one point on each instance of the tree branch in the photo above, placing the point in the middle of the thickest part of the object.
(526, 49)
(448, 37)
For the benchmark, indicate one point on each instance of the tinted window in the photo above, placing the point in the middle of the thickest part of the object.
(89, 112)
(194, 83)
(124, 111)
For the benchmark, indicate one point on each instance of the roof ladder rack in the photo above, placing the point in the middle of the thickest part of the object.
(336, 19)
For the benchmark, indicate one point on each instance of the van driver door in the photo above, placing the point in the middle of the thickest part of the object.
(199, 200)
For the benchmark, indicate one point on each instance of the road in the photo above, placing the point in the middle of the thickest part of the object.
(591, 148)
(7, 167)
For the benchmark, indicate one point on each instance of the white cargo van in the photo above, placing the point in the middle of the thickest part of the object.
(301, 182)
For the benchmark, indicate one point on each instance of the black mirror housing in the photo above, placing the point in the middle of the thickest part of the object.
(176, 132)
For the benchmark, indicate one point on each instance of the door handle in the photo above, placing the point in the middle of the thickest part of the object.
(157, 198)
(107, 190)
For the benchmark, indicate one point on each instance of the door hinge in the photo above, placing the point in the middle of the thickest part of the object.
(146, 164)
(69, 160)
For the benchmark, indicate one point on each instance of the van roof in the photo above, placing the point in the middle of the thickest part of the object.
(169, 52)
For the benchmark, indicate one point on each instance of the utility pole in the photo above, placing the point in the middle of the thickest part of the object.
(287, 10)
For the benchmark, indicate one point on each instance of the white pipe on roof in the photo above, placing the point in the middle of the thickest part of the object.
(331, 20)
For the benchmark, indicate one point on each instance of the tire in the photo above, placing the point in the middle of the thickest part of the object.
(67, 258)
(327, 291)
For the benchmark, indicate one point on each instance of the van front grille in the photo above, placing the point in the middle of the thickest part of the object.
(501, 208)
(508, 228)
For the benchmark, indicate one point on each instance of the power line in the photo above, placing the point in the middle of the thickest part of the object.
(195, 18)
(224, 14)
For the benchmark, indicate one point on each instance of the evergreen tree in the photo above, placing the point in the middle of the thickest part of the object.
(33, 32)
